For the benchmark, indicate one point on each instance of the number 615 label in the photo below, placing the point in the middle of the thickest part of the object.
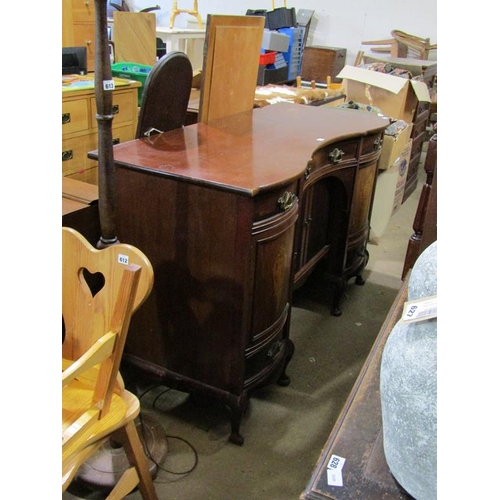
(108, 85)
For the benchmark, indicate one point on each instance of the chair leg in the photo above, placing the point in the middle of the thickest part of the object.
(126, 484)
(131, 442)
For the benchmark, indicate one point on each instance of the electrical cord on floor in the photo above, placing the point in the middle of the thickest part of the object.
(148, 451)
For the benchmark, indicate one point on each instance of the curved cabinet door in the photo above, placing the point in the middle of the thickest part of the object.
(272, 245)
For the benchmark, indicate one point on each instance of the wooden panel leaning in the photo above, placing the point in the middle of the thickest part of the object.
(101, 291)
(134, 36)
(231, 65)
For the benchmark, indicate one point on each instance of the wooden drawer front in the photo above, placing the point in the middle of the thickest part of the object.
(270, 204)
(265, 358)
(74, 153)
(371, 145)
(83, 11)
(336, 155)
(124, 107)
(75, 116)
(90, 175)
(123, 134)
(85, 37)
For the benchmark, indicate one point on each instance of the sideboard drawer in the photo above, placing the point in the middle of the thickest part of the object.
(75, 116)
(371, 144)
(258, 362)
(336, 154)
(274, 202)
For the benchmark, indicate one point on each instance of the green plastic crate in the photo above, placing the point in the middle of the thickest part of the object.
(132, 71)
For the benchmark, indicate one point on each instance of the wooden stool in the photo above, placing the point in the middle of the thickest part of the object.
(194, 12)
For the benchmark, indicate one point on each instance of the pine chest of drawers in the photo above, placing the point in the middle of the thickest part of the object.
(79, 128)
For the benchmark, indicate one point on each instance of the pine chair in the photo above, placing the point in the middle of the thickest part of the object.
(404, 45)
(192, 12)
(166, 94)
(101, 291)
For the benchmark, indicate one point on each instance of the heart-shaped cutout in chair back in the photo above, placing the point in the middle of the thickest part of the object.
(95, 281)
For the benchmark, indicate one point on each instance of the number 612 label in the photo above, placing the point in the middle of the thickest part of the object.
(122, 259)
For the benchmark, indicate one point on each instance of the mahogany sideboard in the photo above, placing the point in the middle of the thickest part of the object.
(215, 208)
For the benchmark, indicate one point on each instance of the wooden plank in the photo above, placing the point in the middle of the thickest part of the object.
(230, 66)
(134, 36)
(357, 433)
(70, 206)
(80, 191)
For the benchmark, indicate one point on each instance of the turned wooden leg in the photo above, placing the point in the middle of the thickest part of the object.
(238, 406)
(339, 285)
(284, 379)
(360, 280)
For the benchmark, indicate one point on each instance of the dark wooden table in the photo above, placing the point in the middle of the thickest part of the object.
(357, 434)
(215, 208)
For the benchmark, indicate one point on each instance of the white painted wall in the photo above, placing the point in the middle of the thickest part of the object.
(336, 23)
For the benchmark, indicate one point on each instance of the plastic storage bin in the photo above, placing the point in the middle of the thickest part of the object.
(267, 58)
(132, 71)
(293, 56)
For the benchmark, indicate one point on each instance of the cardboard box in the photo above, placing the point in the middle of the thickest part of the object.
(418, 67)
(393, 147)
(403, 161)
(395, 96)
(389, 194)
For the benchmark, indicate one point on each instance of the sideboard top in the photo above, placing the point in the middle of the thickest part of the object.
(248, 151)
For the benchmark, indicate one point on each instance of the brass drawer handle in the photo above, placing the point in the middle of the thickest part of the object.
(66, 118)
(67, 155)
(378, 144)
(116, 140)
(307, 172)
(335, 156)
(116, 109)
(274, 350)
(286, 201)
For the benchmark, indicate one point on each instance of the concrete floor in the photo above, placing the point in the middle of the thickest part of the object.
(285, 427)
